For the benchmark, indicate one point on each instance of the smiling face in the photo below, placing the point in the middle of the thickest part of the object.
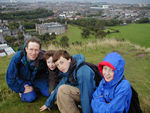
(32, 50)
(63, 64)
(108, 73)
(51, 65)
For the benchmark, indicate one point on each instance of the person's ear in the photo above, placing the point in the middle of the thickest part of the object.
(26, 49)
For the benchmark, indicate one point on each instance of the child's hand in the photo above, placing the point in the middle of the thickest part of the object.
(44, 107)
(28, 88)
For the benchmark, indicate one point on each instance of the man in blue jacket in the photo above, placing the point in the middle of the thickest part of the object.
(27, 70)
(75, 88)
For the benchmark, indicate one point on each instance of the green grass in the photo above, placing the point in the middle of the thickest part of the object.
(135, 33)
(136, 71)
(74, 34)
(10, 102)
(30, 29)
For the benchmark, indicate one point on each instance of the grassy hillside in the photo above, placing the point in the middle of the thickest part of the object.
(135, 33)
(74, 34)
(136, 71)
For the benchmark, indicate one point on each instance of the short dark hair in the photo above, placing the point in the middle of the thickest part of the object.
(34, 40)
(60, 53)
(48, 54)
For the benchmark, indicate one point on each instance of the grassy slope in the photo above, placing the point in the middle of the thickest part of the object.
(136, 71)
(74, 34)
(136, 33)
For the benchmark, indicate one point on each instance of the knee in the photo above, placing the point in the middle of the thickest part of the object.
(29, 97)
(62, 89)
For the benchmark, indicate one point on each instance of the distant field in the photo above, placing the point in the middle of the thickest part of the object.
(74, 34)
(135, 33)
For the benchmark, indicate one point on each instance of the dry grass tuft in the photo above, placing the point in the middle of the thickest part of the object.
(101, 43)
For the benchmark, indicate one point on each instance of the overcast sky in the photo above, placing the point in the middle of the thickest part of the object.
(126, 1)
(109, 1)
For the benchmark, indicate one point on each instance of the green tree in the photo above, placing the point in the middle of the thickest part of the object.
(45, 37)
(64, 41)
(100, 34)
(20, 38)
(29, 14)
(29, 24)
(85, 33)
(53, 36)
(10, 40)
(143, 20)
(13, 25)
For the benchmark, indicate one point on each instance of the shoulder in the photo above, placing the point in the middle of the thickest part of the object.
(79, 58)
(124, 86)
(85, 68)
(41, 55)
(17, 56)
(85, 72)
(125, 83)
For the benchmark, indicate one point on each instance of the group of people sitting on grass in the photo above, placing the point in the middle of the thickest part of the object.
(55, 75)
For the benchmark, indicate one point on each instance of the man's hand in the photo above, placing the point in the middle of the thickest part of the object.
(28, 88)
(44, 107)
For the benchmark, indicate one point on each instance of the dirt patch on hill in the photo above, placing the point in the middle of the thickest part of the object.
(141, 55)
(120, 52)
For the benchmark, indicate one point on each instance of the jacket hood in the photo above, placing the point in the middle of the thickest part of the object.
(79, 59)
(117, 63)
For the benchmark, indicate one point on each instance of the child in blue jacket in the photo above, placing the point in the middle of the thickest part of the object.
(114, 93)
(53, 77)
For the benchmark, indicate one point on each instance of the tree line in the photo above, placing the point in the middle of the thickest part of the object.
(22, 15)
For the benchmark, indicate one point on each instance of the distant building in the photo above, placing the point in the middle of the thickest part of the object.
(101, 7)
(6, 50)
(50, 28)
(1, 37)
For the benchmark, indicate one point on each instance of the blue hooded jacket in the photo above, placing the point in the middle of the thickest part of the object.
(85, 83)
(109, 98)
(21, 71)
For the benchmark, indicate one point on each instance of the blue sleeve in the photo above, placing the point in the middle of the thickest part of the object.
(52, 98)
(12, 79)
(85, 76)
(98, 102)
(117, 104)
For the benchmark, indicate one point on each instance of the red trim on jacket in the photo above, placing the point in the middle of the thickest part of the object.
(105, 63)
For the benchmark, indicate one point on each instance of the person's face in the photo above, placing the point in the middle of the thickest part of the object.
(51, 65)
(63, 64)
(32, 50)
(108, 73)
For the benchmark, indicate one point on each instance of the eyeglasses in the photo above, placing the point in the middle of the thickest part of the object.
(33, 50)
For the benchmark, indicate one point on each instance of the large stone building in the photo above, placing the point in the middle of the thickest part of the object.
(50, 28)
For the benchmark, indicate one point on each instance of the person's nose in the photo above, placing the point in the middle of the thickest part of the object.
(33, 51)
(60, 67)
(106, 72)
